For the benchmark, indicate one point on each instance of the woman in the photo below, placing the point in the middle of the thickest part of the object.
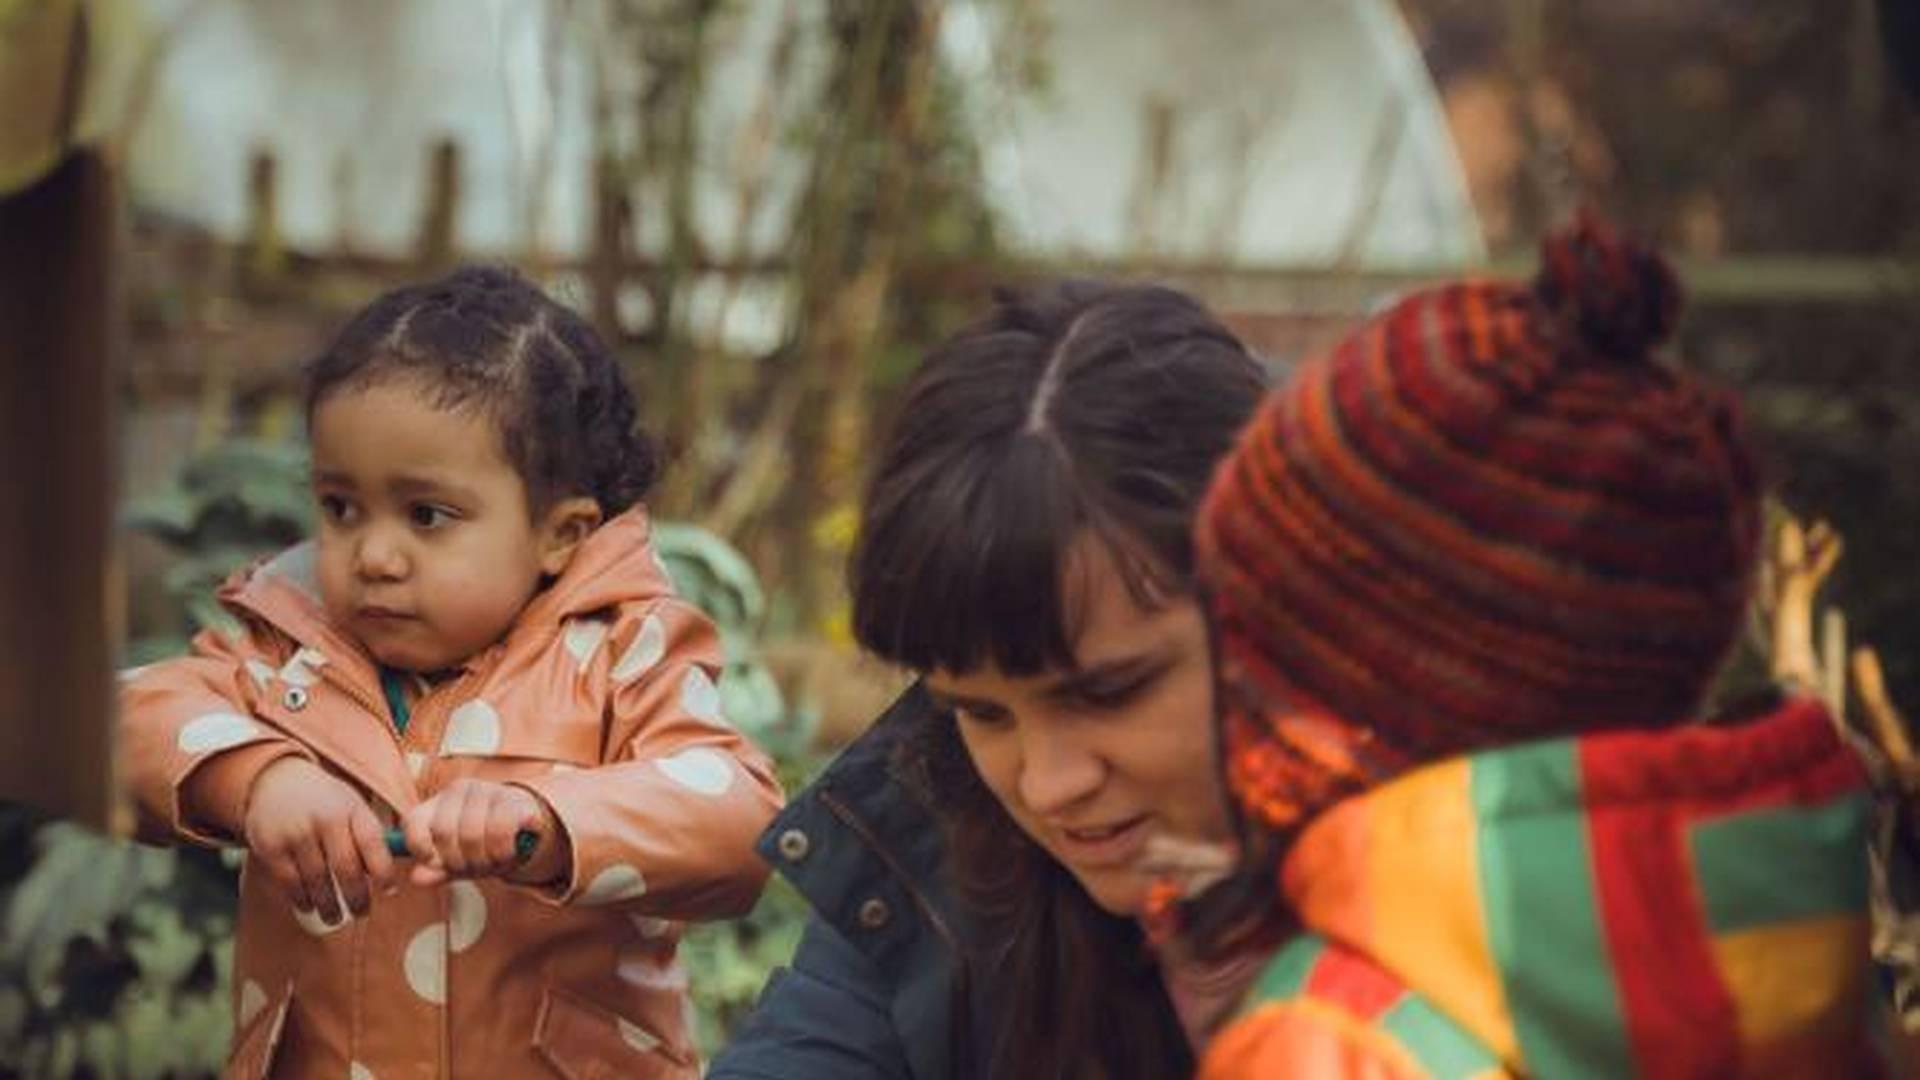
(974, 862)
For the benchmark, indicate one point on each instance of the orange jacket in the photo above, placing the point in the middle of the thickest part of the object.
(601, 699)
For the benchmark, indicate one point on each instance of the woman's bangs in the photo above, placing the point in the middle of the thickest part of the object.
(958, 574)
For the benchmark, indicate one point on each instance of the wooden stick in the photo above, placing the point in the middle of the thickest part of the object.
(1833, 662)
(1885, 725)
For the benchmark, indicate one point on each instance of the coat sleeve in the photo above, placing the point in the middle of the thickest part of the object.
(667, 826)
(826, 1018)
(1303, 1037)
(188, 743)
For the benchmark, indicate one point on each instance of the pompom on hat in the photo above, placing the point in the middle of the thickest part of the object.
(1487, 516)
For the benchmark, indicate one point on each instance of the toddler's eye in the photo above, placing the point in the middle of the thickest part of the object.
(335, 509)
(429, 516)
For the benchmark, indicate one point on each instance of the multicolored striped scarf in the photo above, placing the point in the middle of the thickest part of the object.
(1684, 903)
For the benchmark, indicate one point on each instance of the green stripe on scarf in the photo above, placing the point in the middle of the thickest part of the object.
(1555, 970)
(1442, 1047)
(1285, 976)
(1784, 864)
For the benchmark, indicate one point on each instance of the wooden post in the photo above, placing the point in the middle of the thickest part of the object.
(1899, 22)
(59, 326)
(346, 233)
(264, 255)
(436, 247)
(1154, 176)
(612, 220)
(1866, 68)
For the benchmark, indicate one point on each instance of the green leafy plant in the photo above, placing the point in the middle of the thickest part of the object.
(241, 500)
(114, 959)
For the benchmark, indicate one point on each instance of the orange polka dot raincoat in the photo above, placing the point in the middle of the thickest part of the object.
(602, 699)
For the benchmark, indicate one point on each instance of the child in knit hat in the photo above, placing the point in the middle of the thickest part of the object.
(1471, 574)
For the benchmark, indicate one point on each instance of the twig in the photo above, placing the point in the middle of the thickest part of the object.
(1885, 725)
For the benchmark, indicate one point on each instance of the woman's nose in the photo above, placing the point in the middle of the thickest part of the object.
(1056, 770)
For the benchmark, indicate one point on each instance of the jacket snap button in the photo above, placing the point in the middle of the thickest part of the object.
(295, 698)
(874, 914)
(793, 845)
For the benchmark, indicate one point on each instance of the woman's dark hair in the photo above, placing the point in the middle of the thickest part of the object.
(485, 338)
(1070, 410)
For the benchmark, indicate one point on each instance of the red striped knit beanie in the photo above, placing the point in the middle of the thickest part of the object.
(1488, 516)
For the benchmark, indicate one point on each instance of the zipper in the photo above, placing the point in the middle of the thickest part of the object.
(353, 691)
(427, 713)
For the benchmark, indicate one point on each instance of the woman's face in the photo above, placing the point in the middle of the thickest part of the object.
(1095, 759)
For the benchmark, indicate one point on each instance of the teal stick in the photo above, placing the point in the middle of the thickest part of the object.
(524, 843)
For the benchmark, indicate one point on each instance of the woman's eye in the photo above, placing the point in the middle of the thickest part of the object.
(1113, 697)
(978, 717)
(429, 516)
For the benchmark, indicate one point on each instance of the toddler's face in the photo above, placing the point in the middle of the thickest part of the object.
(427, 553)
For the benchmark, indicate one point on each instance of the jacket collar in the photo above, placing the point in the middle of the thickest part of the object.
(614, 565)
(862, 832)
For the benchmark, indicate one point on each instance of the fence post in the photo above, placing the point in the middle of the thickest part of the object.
(435, 251)
(59, 592)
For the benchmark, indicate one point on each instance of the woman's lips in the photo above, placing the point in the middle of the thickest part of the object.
(1099, 847)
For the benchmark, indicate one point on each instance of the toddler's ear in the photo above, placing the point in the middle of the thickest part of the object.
(566, 524)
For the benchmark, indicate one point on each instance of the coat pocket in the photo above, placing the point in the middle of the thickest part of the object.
(258, 1040)
(582, 1041)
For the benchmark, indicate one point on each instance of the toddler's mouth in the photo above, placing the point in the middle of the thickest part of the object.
(379, 613)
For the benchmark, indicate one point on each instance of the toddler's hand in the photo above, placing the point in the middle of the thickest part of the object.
(311, 830)
(469, 830)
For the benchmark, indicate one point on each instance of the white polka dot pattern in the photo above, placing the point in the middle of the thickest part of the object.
(215, 731)
(583, 637)
(474, 728)
(425, 963)
(699, 697)
(621, 881)
(699, 769)
(297, 671)
(648, 973)
(261, 671)
(252, 1000)
(638, 1037)
(650, 928)
(466, 916)
(646, 649)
